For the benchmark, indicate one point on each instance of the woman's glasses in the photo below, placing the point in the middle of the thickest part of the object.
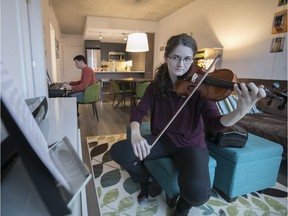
(177, 59)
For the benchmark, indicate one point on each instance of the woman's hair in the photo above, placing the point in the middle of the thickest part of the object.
(162, 84)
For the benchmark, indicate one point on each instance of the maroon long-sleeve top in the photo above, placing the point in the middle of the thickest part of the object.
(187, 129)
(87, 79)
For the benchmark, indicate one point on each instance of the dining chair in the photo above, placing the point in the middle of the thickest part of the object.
(139, 92)
(121, 89)
(92, 96)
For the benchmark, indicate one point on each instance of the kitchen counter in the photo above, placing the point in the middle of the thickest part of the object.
(119, 74)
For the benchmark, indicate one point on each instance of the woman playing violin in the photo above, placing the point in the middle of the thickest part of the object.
(184, 139)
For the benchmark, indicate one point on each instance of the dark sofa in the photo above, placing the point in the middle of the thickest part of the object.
(268, 119)
(270, 124)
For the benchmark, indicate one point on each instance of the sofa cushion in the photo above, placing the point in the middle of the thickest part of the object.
(230, 103)
(268, 126)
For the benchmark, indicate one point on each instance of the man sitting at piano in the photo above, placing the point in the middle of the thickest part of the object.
(87, 78)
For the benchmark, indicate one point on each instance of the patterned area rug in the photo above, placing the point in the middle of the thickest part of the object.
(117, 193)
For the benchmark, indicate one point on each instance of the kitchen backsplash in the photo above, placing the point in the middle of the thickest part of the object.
(116, 65)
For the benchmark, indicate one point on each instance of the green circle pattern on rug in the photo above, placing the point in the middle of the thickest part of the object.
(117, 193)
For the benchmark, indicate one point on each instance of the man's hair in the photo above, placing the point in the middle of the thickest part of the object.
(80, 58)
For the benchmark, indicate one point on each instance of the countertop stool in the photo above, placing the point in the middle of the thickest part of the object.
(164, 171)
(245, 170)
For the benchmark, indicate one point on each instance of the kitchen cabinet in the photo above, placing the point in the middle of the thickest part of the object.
(92, 44)
(128, 56)
(149, 57)
(111, 47)
(138, 60)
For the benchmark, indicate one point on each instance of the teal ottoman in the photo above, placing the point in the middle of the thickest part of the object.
(245, 170)
(164, 171)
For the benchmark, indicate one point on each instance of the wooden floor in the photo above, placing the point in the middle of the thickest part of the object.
(114, 121)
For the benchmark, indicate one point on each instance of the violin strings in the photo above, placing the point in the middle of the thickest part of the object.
(219, 82)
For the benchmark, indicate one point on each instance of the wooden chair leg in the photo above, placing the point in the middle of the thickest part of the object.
(94, 107)
(113, 100)
(78, 110)
(123, 96)
(96, 112)
(133, 102)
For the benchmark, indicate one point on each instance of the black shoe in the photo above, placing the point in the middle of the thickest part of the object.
(142, 198)
(143, 195)
(179, 212)
(182, 209)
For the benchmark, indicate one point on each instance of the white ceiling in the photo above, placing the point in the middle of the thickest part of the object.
(71, 14)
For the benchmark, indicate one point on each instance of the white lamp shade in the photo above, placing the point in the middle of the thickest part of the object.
(137, 42)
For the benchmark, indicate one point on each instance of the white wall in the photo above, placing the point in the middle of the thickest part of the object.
(22, 49)
(242, 28)
(52, 64)
(72, 45)
(15, 50)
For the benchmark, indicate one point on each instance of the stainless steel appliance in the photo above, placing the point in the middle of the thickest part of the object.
(116, 56)
(93, 58)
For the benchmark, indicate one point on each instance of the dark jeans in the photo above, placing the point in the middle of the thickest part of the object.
(192, 165)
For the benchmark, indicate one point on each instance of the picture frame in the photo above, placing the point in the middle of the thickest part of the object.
(282, 2)
(279, 22)
(277, 44)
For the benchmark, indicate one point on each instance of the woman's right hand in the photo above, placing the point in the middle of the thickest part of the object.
(140, 146)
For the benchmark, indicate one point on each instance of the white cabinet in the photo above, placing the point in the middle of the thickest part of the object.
(60, 121)
(27, 187)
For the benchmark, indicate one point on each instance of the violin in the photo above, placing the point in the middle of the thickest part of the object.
(217, 85)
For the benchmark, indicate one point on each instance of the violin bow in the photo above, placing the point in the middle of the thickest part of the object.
(187, 99)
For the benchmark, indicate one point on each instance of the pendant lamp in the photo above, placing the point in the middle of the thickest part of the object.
(137, 42)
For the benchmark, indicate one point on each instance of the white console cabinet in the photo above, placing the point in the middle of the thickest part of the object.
(60, 121)
(19, 194)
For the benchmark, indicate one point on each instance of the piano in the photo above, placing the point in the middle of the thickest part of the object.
(55, 89)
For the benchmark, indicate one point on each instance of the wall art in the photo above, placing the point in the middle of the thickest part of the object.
(277, 44)
(280, 22)
(282, 2)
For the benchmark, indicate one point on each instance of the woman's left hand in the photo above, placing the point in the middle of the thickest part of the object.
(248, 95)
